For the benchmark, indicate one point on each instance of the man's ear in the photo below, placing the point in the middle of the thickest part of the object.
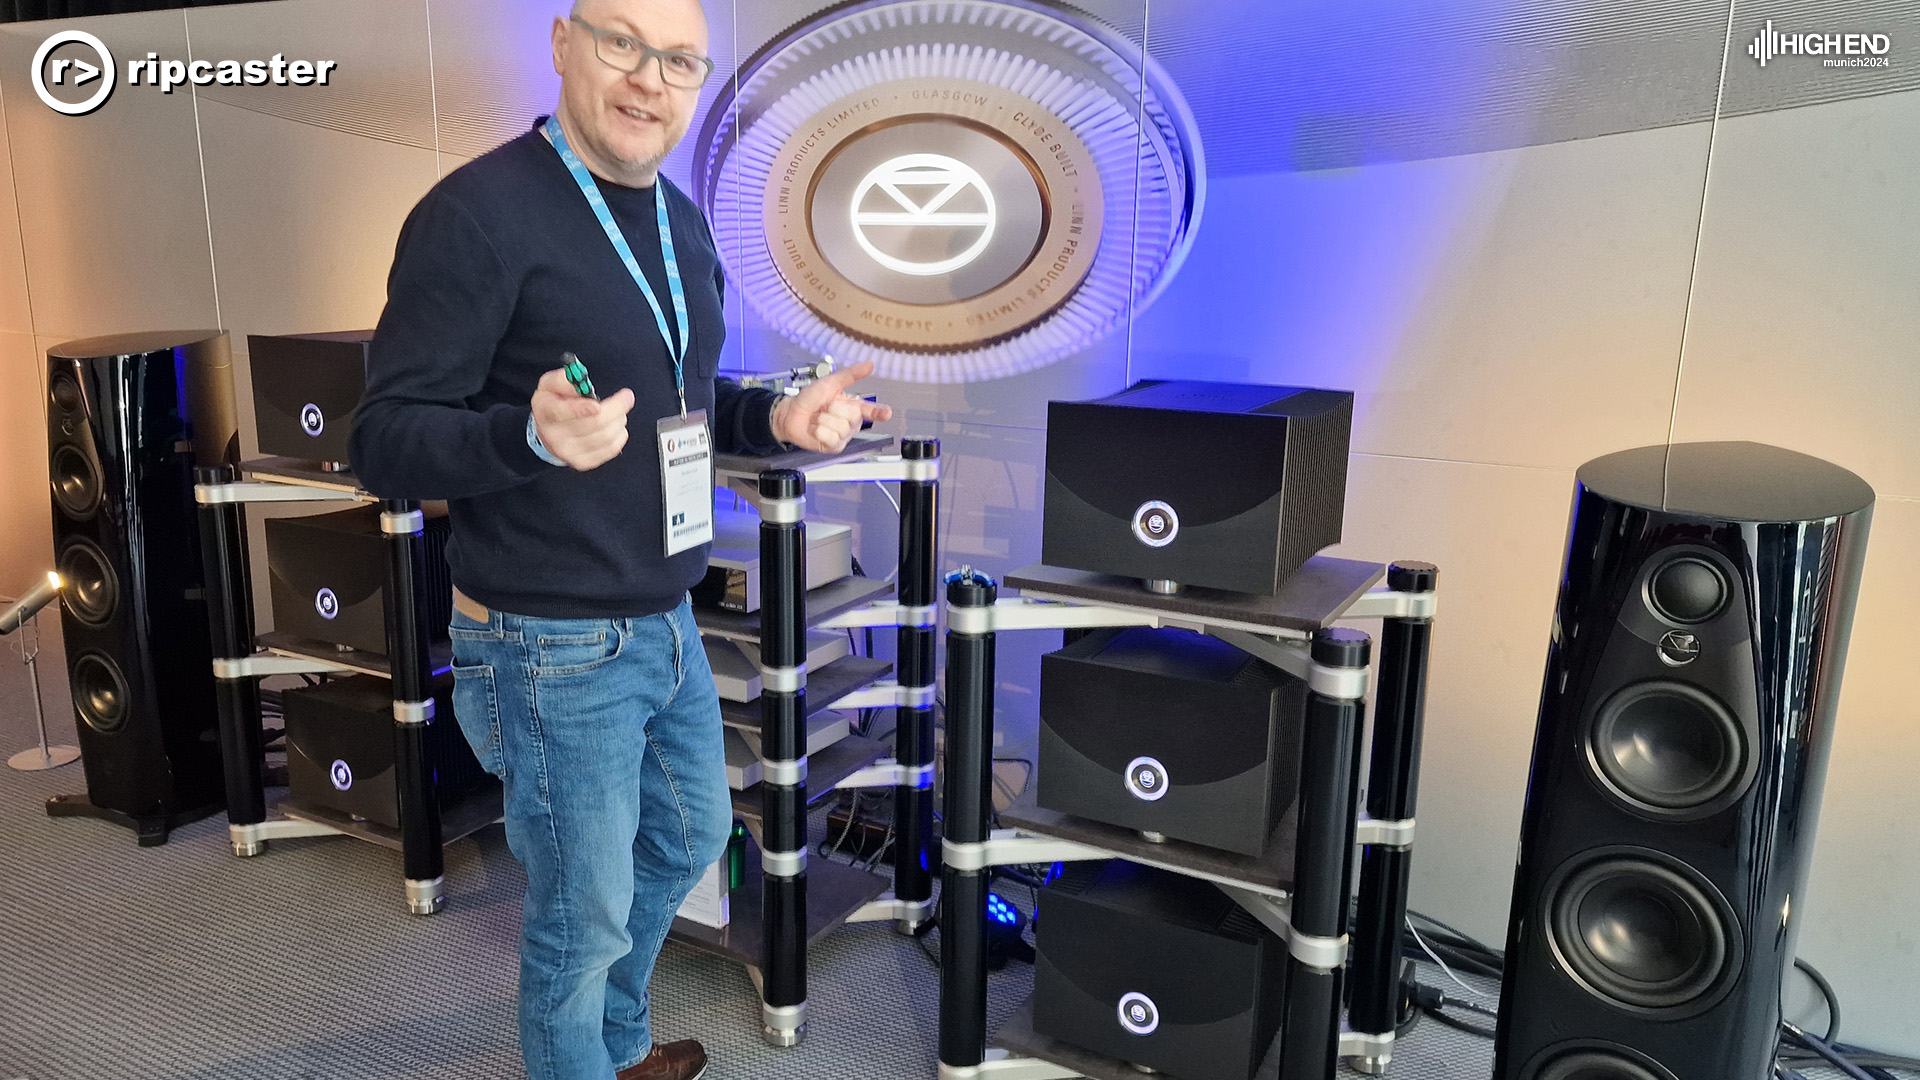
(559, 45)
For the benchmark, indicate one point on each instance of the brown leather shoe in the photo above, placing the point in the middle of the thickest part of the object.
(683, 1060)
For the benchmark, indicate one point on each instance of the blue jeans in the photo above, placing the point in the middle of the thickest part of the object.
(607, 735)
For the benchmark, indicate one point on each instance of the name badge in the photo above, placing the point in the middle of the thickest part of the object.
(686, 481)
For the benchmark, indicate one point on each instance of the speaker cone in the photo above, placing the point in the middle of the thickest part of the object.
(100, 693)
(1668, 748)
(93, 589)
(1595, 1064)
(1643, 934)
(1688, 589)
(76, 480)
(66, 392)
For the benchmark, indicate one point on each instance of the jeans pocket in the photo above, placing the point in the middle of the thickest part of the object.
(572, 654)
(477, 711)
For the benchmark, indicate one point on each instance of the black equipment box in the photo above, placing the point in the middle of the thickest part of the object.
(1170, 732)
(340, 754)
(328, 578)
(1224, 485)
(1155, 969)
(305, 388)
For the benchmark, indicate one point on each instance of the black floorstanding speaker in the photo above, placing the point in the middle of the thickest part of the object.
(127, 419)
(1678, 763)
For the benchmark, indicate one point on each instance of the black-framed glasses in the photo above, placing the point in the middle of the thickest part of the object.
(624, 52)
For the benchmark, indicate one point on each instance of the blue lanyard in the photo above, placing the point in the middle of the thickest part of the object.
(594, 199)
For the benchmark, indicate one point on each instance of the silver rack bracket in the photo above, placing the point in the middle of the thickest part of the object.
(1388, 604)
(1389, 834)
(258, 491)
(890, 773)
(1276, 913)
(890, 908)
(247, 667)
(781, 511)
(426, 897)
(1001, 1066)
(251, 840)
(788, 679)
(413, 712)
(784, 773)
(405, 523)
(1007, 847)
(882, 614)
(1341, 683)
(886, 695)
(784, 863)
(783, 1025)
(884, 468)
(1370, 1053)
(1025, 613)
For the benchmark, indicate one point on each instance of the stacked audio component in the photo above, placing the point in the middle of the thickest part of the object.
(340, 758)
(1204, 718)
(128, 418)
(1683, 737)
(305, 388)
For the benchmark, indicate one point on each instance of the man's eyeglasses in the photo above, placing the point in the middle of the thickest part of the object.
(624, 52)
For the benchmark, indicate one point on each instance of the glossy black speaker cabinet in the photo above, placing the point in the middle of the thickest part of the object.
(1155, 969)
(1222, 485)
(305, 388)
(127, 419)
(1678, 763)
(1169, 732)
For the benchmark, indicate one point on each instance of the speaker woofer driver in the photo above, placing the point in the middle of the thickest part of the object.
(1669, 749)
(1594, 1062)
(76, 481)
(92, 593)
(100, 693)
(1642, 933)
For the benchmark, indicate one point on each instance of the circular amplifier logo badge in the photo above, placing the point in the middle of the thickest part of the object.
(312, 420)
(1146, 779)
(1155, 524)
(1678, 648)
(1138, 1014)
(327, 604)
(341, 774)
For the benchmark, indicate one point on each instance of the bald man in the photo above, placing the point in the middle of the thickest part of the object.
(580, 680)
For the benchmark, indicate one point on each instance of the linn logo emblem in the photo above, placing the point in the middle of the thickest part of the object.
(924, 192)
(327, 604)
(312, 420)
(1138, 1013)
(1155, 524)
(1678, 647)
(1146, 779)
(342, 775)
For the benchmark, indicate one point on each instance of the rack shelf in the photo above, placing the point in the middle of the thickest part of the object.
(824, 771)
(1269, 872)
(1317, 594)
(823, 604)
(458, 821)
(824, 687)
(834, 891)
(439, 654)
(1016, 1035)
(747, 467)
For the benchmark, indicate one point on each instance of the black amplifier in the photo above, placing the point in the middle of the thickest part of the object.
(1158, 970)
(305, 388)
(1169, 732)
(340, 748)
(1225, 485)
(328, 578)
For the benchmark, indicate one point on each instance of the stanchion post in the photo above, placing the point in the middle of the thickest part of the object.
(783, 746)
(1322, 853)
(969, 775)
(913, 727)
(223, 557)
(404, 524)
(1393, 777)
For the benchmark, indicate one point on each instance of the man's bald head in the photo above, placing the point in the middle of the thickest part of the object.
(624, 124)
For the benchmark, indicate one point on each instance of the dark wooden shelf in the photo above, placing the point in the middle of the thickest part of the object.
(1018, 1037)
(1316, 595)
(823, 603)
(824, 729)
(288, 470)
(439, 654)
(472, 813)
(834, 891)
(1270, 871)
(824, 770)
(824, 687)
(864, 444)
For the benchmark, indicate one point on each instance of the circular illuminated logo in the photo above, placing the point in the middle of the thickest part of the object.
(341, 774)
(1146, 779)
(1138, 1014)
(73, 71)
(312, 420)
(327, 604)
(1155, 524)
(908, 213)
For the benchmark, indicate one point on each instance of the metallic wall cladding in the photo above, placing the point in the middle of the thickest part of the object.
(1790, 81)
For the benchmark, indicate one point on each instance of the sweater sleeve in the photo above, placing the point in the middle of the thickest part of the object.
(742, 418)
(423, 430)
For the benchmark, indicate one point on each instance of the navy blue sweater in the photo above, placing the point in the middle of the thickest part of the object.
(500, 269)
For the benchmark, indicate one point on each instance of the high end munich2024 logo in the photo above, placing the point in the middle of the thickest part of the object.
(74, 72)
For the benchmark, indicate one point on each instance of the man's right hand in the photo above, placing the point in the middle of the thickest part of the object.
(580, 431)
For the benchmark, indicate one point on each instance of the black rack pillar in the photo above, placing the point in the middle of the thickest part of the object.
(783, 746)
(1386, 868)
(913, 727)
(966, 802)
(1323, 853)
(223, 556)
(404, 525)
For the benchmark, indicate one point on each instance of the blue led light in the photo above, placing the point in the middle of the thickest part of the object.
(1000, 911)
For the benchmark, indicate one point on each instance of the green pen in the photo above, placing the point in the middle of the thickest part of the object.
(576, 373)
